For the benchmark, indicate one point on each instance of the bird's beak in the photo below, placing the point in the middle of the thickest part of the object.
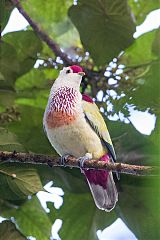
(81, 74)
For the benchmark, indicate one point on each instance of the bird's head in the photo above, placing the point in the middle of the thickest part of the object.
(70, 76)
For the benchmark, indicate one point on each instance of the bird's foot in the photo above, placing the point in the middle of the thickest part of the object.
(63, 159)
(87, 156)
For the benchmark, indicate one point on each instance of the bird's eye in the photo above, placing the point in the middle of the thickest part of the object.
(68, 71)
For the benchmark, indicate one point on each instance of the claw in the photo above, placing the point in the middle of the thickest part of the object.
(87, 156)
(63, 159)
(81, 161)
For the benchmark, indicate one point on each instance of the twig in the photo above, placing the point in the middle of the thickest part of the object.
(73, 162)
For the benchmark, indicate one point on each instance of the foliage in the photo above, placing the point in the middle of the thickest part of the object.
(99, 34)
(115, 20)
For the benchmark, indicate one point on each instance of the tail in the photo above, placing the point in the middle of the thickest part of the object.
(103, 188)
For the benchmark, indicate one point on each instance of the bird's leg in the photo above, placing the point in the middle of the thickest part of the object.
(63, 159)
(87, 156)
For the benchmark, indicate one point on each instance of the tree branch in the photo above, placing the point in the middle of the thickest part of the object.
(73, 162)
(51, 43)
(43, 35)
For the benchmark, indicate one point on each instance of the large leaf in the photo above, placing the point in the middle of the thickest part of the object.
(141, 51)
(148, 90)
(51, 15)
(130, 145)
(139, 205)
(143, 72)
(33, 87)
(84, 218)
(45, 13)
(31, 219)
(17, 56)
(18, 182)
(33, 79)
(9, 65)
(9, 231)
(34, 98)
(106, 27)
(27, 45)
(70, 180)
(30, 132)
(8, 141)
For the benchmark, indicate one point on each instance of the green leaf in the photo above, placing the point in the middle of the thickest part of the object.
(84, 218)
(2, 11)
(9, 65)
(30, 131)
(139, 205)
(8, 141)
(33, 87)
(9, 231)
(144, 72)
(156, 44)
(31, 219)
(149, 91)
(141, 51)
(106, 27)
(7, 98)
(51, 11)
(51, 16)
(17, 56)
(141, 9)
(34, 98)
(18, 182)
(71, 180)
(5, 11)
(27, 45)
(33, 79)
(155, 138)
(130, 145)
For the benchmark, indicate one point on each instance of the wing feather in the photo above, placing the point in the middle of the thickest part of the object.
(95, 119)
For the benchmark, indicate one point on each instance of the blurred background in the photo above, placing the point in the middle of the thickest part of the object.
(118, 44)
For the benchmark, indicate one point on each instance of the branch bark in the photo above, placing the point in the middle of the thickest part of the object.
(73, 162)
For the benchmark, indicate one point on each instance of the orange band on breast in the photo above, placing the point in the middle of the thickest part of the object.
(57, 119)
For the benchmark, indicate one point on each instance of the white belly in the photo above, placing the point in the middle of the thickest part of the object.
(76, 139)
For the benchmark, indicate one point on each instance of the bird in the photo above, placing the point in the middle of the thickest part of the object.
(74, 126)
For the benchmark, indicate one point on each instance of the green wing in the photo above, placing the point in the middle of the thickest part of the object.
(95, 119)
